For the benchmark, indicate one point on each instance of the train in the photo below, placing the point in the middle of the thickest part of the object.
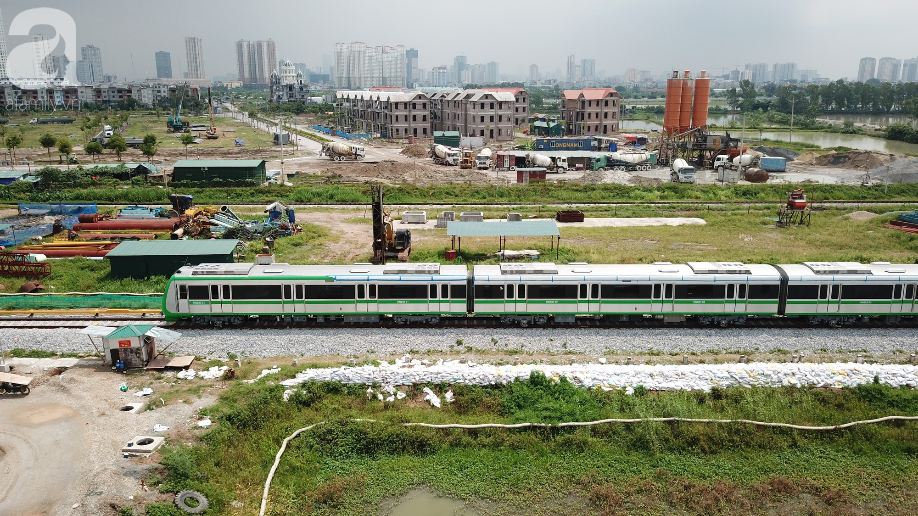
(539, 293)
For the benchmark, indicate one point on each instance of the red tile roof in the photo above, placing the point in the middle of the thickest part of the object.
(588, 93)
(514, 91)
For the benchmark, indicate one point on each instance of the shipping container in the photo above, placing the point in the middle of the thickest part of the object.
(583, 144)
(776, 164)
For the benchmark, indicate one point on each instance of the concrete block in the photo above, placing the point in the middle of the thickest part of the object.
(449, 215)
(471, 216)
(143, 445)
(441, 222)
(514, 217)
(414, 217)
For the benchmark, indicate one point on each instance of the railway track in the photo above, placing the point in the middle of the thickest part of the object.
(814, 204)
(46, 322)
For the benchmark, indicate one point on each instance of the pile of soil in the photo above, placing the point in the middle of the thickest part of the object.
(415, 151)
(862, 215)
(775, 152)
(856, 159)
(807, 158)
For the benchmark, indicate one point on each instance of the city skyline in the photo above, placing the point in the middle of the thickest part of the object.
(805, 38)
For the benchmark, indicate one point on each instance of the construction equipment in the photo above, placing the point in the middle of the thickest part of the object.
(443, 155)
(467, 160)
(174, 123)
(796, 211)
(211, 132)
(22, 265)
(682, 172)
(622, 161)
(483, 160)
(558, 164)
(341, 151)
(386, 242)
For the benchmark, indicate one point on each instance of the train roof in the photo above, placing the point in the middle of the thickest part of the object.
(718, 271)
(342, 272)
(852, 271)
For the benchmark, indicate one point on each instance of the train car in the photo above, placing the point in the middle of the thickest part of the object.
(233, 292)
(535, 293)
(845, 292)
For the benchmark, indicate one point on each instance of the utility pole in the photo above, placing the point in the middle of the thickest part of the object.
(792, 100)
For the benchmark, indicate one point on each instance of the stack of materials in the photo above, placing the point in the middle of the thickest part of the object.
(907, 222)
(70, 249)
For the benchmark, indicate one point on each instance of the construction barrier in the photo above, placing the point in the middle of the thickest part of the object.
(28, 302)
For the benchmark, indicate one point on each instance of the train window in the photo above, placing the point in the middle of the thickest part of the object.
(704, 291)
(198, 292)
(458, 292)
(288, 291)
(489, 291)
(521, 291)
(835, 291)
(510, 292)
(552, 292)
(668, 291)
(897, 292)
(372, 292)
(583, 291)
(444, 291)
(772, 291)
(329, 291)
(741, 293)
(361, 291)
(823, 291)
(626, 291)
(871, 292)
(793, 291)
(226, 292)
(731, 288)
(183, 291)
(594, 291)
(299, 291)
(403, 292)
(215, 291)
(256, 292)
(909, 291)
(433, 292)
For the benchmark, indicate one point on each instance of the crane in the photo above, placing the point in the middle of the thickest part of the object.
(175, 124)
(211, 133)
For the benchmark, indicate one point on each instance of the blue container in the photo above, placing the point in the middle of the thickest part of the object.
(578, 144)
(773, 164)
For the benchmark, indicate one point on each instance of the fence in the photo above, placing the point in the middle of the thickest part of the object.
(321, 129)
(27, 302)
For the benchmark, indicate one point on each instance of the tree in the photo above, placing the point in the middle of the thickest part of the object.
(748, 95)
(93, 149)
(148, 150)
(13, 142)
(47, 141)
(186, 140)
(118, 144)
(64, 147)
(910, 107)
(150, 139)
(733, 99)
(770, 89)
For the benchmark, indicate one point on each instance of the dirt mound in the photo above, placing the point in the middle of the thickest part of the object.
(415, 151)
(862, 215)
(789, 155)
(857, 159)
(807, 158)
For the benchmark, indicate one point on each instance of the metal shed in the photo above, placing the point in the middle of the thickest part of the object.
(163, 257)
(503, 229)
(208, 170)
(133, 344)
(10, 176)
(448, 138)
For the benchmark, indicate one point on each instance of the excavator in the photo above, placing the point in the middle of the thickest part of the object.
(174, 124)
(387, 243)
(211, 133)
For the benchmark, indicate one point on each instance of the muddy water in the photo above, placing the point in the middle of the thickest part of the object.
(423, 502)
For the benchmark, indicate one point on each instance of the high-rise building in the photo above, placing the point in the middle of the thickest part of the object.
(910, 70)
(411, 67)
(533, 73)
(492, 73)
(888, 69)
(784, 72)
(460, 65)
(163, 65)
(571, 68)
(759, 72)
(588, 69)
(3, 53)
(632, 75)
(93, 55)
(84, 72)
(360, 66)
(194, 53)
(866, 70)
(256, 60)
(41, 49)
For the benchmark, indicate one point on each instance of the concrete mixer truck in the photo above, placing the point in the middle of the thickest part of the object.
(559, 164)
(443, 155)
(483, 159)
(342, 151)
(682, 172)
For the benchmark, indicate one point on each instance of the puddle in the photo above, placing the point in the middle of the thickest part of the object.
(423, 502)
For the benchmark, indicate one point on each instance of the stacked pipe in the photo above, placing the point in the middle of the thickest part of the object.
(70, 249)
(121, 224)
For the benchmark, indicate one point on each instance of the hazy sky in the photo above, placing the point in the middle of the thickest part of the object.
(828, 35)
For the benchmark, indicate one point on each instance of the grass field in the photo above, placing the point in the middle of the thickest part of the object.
(345, 467)
(228, 128)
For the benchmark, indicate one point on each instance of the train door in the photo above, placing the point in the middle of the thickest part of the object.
(911, 293)
(822, 302)
(834, 305)
(735, 301)
(662, 298)
(510, 298)
(216, 303)
(898, 302)
(288, 304)
(367, 300)
(434, 298)
(594, 307)
(521, 305)
(299, 301)
(182, 293)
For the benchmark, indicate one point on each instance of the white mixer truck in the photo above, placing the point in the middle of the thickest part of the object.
(443, 155)
(559, 164)
(483, 159)
(682, 172)
(342, 151)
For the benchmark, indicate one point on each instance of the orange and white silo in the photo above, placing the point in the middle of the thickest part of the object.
(673, 100)
(685, 105)
(702, 99)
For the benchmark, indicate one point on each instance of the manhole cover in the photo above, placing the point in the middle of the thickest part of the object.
(144, 441)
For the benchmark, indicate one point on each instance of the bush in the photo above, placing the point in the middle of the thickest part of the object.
(542, 400)
(163, 509)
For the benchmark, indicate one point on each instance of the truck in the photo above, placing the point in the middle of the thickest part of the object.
(682, 172)
(443, 155)
(558, 164)
(342, 151)
(483, 159)
(622, 161)
(723, 162)
(52, 120)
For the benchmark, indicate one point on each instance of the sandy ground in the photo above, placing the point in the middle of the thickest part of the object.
(61, 443)
(618, 222)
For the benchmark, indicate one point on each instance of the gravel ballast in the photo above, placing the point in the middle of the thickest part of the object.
(264, 343)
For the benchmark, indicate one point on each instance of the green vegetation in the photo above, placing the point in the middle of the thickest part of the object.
(348, 467)
(84, 275)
